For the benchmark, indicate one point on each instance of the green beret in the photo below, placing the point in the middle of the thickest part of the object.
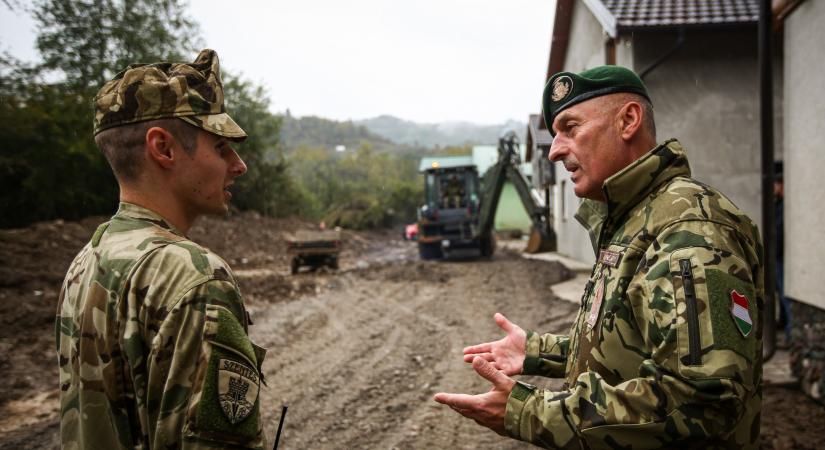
(192, 92)
(566, 89)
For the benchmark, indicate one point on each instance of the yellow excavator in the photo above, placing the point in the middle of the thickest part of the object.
(460, 208)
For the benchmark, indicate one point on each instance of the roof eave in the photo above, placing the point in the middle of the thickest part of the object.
(626, 29)
(603, 15)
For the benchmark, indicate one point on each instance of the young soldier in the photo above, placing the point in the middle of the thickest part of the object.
(666, 349)
(151, 327)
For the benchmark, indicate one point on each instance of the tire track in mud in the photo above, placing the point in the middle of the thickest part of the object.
(358, 364)
(367, 355)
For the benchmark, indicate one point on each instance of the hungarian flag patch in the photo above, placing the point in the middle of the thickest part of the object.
(740, 310)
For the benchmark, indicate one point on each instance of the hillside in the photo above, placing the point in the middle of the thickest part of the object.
(388, 134)
(438, 134)
(317, 132)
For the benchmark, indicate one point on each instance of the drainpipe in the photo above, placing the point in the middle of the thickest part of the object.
(768, 212)
(680, 41)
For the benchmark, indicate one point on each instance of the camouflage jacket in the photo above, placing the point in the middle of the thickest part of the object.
(666, 349)
(152, 343)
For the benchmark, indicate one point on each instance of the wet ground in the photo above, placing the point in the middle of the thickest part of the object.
(356, 354)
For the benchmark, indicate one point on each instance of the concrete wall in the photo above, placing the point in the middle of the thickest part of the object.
(707, 96)
(586, 50)
(804, 153)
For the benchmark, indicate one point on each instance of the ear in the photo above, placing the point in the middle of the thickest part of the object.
(630, 120)
(161, 147)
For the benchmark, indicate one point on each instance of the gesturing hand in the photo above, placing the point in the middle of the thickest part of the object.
(505, 354)
(486, 409)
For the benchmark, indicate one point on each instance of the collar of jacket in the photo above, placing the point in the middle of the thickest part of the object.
(627, 187)
(136, 212)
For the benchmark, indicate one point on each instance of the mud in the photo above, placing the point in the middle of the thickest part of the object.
(356, 354)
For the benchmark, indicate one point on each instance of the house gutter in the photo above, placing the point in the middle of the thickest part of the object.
(768, 207)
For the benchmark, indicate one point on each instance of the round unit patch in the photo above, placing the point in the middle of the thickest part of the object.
(561, 88)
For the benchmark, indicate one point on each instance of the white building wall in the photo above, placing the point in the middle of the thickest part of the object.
(804, 153)
(586, 50)
(707, 96)
(624, 52)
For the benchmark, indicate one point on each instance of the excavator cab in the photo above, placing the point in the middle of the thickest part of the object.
(460, 206)
(448, 220)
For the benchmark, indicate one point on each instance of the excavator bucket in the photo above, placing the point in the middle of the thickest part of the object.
(540, 241)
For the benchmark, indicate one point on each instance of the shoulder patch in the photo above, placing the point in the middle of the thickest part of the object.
(238, 388)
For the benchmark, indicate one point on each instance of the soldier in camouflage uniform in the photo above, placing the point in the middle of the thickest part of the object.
(151, 327)
(666, 349)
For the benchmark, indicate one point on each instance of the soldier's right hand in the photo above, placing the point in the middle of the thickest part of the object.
(506, 354)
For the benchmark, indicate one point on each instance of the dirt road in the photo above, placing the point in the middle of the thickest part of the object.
(356, 354)
(358, 363)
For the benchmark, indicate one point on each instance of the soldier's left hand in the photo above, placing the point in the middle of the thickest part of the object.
(486, 409)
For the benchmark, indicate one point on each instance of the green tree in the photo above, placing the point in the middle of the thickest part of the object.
(267, 186)
(49, 164)
(358, 189)
(89, 41)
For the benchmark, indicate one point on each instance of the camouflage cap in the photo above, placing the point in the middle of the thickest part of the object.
(192, 92)
(566, 89)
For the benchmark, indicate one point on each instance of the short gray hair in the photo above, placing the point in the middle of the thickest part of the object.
(648, 120)
(618, 101)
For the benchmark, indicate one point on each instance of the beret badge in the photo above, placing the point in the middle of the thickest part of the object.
(561, 88)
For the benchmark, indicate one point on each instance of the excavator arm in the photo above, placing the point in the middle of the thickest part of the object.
(542, 236)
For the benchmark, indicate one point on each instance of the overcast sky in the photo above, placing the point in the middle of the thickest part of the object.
(481, 61)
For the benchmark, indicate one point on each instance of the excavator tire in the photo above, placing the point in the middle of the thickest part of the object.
(430, 250)
(487, 245)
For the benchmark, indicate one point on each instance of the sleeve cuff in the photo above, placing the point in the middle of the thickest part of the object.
(515, 406)
(532, 361)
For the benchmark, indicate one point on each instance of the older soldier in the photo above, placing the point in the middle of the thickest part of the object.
(666, 349)
(151, 327)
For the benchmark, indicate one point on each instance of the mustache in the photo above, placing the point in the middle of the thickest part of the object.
(570, 163)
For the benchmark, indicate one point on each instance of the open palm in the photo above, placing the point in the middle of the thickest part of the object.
(507, 353)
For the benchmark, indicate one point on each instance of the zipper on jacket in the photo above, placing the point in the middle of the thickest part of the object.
(694, 341)
(573, 351)
(587, 288)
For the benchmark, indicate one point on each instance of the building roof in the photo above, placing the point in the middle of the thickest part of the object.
(629, 15)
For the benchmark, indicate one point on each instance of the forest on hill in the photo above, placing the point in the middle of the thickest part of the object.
(444, 134)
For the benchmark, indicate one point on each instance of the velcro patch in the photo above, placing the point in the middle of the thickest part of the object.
(726, 333)
(238, 387)
(610, 258)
